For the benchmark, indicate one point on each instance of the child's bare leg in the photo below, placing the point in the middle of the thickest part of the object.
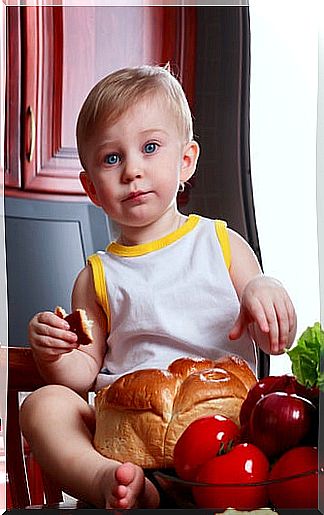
(59, 425)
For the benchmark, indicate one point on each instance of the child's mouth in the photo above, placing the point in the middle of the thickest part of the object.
(135, 195)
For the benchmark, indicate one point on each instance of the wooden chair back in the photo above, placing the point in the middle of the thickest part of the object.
(23, 376)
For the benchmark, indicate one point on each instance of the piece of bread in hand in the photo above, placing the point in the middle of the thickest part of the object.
(140, 417)
(79, 324)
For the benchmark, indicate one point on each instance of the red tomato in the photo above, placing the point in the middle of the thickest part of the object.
(200, 442)
(245, 463)
(295, 493)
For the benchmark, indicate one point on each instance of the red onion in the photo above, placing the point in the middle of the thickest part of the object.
(280, 421)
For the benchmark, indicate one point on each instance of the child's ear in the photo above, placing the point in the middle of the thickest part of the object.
(189, 160)
(89, 188)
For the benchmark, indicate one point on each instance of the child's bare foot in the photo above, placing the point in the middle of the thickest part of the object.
(132, 489)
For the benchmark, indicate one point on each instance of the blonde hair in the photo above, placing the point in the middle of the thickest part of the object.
(114, 94)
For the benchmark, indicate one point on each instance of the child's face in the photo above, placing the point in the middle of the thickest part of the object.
(135, 165)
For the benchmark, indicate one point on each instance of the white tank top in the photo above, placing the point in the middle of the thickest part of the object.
(169, 298)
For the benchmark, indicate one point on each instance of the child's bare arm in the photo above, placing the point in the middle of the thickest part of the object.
(266, 308)
(58, 356)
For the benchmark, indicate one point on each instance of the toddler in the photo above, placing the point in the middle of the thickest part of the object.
(169, 286)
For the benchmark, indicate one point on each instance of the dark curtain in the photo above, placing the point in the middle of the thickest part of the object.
(222, 186)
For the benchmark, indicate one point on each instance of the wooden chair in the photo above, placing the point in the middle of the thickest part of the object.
(28, 485)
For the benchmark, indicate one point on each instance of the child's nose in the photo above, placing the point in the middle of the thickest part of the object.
(132, 170)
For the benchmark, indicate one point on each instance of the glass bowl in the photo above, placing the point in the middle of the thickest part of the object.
(180, 493)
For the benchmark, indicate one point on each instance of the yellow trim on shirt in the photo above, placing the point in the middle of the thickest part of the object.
(146, 248)
(98, 274)
(222, 234)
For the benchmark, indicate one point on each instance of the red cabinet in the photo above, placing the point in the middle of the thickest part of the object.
(64, 52)
(2, 95)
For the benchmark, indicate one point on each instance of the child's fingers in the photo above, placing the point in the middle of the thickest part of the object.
(49, 335)
(283, 324)
(273, 330)
(47, 348)
(56, 338)
(259, 313)
(51, 326)
(268, 305)
(291, 313)
(61, 335)
(286, 319)
(53, 347)
(50, 319)
(237, 328)
(266, 318)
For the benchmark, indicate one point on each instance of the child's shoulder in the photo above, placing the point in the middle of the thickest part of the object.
(84, 277)
(215, 222)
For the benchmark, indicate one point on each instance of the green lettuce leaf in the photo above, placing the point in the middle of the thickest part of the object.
(307, 357)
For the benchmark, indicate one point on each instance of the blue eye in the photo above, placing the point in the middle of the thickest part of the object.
(112, 159)
(150, 148)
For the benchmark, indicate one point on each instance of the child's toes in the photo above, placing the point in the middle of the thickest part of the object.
(125, 473)
(120, 491)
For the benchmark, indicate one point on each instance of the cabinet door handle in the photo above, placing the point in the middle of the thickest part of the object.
(32, 138)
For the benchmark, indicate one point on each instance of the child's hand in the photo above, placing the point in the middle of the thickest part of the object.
(269, 313)
(49, 336)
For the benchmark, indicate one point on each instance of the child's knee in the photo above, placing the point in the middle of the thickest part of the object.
(39, 402)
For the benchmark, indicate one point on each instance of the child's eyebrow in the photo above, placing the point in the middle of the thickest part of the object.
(107, 142)
(153, 131)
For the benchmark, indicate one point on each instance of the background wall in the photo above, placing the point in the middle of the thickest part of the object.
(320, 212)
(320, 154)
(284, 66)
